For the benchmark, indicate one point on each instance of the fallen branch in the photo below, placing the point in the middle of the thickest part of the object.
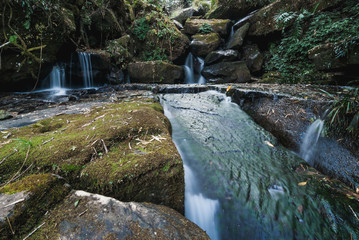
(20, 200)
(5, 44)
(33, 231)
(83, 213)
(8, 156)
(12, 230)
(104, 146)
(48, 141)
(354, 212)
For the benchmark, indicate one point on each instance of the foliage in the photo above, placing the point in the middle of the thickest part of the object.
(156, 54)
(289, 56)
(345, 110)
(141, 28)
(205, 28)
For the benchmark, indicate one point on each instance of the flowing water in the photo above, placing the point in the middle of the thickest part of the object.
(57, 80)
(193, 74)
(86, 67)
(309, 146)
(242, 184)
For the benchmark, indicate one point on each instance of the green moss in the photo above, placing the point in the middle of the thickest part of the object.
(208, 38)
(30, 183)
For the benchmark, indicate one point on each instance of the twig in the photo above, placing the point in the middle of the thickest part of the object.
(20, 200)
(5, 44)
(23, 172)
(83, 213)
(33, 231)
(8, 156)
(354, 212)
(12, 230)
(104, 146)
(48, 141)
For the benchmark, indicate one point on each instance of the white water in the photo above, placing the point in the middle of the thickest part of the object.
(190, 75)
(86, 67)
(58, 80)
(311, 137)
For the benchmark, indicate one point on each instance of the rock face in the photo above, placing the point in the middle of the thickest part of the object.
(23, 203)
(219, 26)
(324, 57)
(253, 57)
(235, 9)
(263, 22)
(238, 37)
(227, 72)
(90, 216)
(221, 56)
(183, 14)
(155, 72)
(203, 44)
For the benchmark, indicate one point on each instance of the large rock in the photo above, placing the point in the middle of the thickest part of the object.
(263, 22)
(324, 57)
(203, 44)
(227, 72)
(253, 57)
(183, 14)
(221, 56)
(155, 72)
(237, 39)
(23, 203)
(219, 26)
(235, 9)
(90, 216)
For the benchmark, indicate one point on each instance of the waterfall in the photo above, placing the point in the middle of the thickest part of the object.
(190, 76)
(86, 68)
(58, 80)
(311, 137)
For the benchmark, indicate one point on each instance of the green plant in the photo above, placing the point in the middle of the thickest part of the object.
(205, 28)
(156, 54)
(141, 28)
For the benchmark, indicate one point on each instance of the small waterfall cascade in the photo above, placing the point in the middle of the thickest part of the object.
(58, 80)
(311, 137)
(86, 67)
(192, 76)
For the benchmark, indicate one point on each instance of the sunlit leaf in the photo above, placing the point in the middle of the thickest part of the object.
(302, 183)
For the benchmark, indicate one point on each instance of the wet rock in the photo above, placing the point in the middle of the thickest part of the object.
(221, 56)
(179, 25)
(219, 26)
(229, 9)
(24, 202)
(179, 49)
(203, 44)
(263, 22)
(324, 57)
(238, 37)
(183, 14)
(155, 72)
(227, 72)
(253, 57)
(90, 216)
(5, 115)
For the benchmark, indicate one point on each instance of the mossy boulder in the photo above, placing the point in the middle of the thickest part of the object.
(237, 39)
(91, 216)
(203, 44)
(219, 26)
(183, 14)
(5, 115)
(121, 50)
(23, 203)
(155, 72)
(227, 72)
(122, 150)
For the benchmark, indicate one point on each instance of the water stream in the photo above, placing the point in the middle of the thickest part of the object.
(242, 184)
(311, 137)
(86, 67)
(57, 80)
(193, 68)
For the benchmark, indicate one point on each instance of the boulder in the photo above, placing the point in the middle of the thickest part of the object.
(237, 39)
(183, 14)
(221, 56)
(84, 215)
(219, 26)
(5, 115)
(263, 22)
(229, 9)
(155, 72)
(178, 49)
(120, 50)
(253, 57)
(24, 202)
(227, 72)
(324, 57)
(203, 44)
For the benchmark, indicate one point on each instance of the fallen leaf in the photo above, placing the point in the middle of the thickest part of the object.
(77, 203)
(269, 144)
(302, 183)
(228, 88)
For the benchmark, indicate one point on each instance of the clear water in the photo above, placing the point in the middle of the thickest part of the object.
(193, 75)
(86, 67)
(308, 148)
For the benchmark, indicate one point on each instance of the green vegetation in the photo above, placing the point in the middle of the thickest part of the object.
(205, 28)
(289, 56)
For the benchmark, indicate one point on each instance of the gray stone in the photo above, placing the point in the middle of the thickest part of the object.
(183, 14)
(219, 26)
(227, 72)
(221, 56)
(83, 215)
(253, 57)
(203, 44)
(5, 115)
(237, 39)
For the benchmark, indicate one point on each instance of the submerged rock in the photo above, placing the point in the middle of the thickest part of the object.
(155, 72)
(227, 72)
(219, 26)
(221, 56)
(24, 202)
(203, 44)
(90, 216)
(237, 39)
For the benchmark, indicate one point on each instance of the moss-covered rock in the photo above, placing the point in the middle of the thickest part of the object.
(90, 216)
(155, 72)
(123, 150)
(24, 202)
(203, 44)
(219, 26)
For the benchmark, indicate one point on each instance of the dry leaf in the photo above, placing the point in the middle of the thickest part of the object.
(269, 144)
(302, 183)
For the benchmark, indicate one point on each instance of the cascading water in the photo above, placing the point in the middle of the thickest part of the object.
(190, 74)
(311, 137)
(86, 67)
(57, 80)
